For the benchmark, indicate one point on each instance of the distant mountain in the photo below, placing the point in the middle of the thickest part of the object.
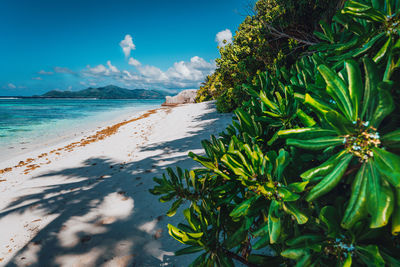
(107, 92)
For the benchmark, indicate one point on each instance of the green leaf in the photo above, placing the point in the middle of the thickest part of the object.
(172, 211)
(367, 46)
(339, 90)
(341, 125)
(356, 208)
(243, 208)
(324, 168)
(188, 250)
(286, 195)
(199, 261)
(306, 133)
(396, 214)
(348, 261)
(329, 216)
(370, 256)
(374, 190)
(305, 119)
(331, 180)
(240, 235)
(385, 103)
(294, 253)
(297, 187)
(388, 164)
(355, 86)
(274, 223)
(317, 106)
(384, 50)
(371, 88)
(380, 217)
(300, 217)
(317, 143)
(262, 242)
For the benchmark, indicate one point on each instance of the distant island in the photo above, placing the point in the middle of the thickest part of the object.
(106, 92)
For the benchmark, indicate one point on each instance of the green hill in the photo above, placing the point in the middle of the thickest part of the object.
(107, 92)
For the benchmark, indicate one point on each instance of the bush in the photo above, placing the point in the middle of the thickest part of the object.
(308, 174)
(277, 34)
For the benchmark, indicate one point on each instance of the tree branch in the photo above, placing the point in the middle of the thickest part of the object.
(279, 34)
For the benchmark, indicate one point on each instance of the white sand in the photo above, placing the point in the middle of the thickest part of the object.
(91, 206)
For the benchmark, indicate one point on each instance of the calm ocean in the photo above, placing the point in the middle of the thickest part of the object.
(24, 121)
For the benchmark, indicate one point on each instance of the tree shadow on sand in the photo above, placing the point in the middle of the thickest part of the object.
(104, 214)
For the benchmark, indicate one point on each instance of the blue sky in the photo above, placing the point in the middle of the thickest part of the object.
(74, 44)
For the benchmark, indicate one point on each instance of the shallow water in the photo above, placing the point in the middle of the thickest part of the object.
(25, 121)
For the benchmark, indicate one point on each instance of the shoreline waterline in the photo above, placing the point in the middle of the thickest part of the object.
(55, 131)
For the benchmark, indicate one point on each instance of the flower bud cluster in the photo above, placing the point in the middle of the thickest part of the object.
(363, 141)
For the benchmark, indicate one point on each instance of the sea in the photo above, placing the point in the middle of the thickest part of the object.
(28, 122)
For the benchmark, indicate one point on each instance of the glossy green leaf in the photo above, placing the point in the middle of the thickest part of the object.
(330, 217)
(315, 144)
(356, 208)
(325, 168)
(371, 88)
(243, 208)
(331, 180)
(294, 253)
(274, 223)
(306, 133)
(384, 50)
(380, 217)
(370, 256)
(385, 104)
(338, 122)
(172, 211)
(355, 86)
(188, 250)
(317, 106)
(300, 217)
(339, 89)
(388, 164)
(305, 119)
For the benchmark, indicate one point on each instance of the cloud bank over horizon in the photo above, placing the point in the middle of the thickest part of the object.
(181, 75)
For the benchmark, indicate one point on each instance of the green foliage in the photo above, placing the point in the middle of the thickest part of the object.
(308, 174)
(257, 47)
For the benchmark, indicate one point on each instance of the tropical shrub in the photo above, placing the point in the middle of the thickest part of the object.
(308, 174)
(277, 33)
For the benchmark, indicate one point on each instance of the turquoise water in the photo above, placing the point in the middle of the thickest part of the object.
(23, 121)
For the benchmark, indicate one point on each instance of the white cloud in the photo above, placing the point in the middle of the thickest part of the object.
(101, 70)
(224, 37)
(111, 67)
(69, 88)
(134, 62)
(127, 45)
(37, 78)
(127, 76)
(82, 83)
(153, 73)
(182, 74)
(11, 86)
(63, 70)
(42, 72)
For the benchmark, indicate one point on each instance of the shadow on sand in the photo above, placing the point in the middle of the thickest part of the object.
(103, 212)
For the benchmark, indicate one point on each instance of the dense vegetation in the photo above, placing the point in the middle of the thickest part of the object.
(275, 35)
(308, 174)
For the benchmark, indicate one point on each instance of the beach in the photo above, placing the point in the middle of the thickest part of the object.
(85, 201)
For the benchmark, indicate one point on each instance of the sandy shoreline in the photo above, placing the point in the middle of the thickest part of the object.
(86, 203)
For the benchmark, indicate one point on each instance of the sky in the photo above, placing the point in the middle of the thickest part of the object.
(74, 44)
